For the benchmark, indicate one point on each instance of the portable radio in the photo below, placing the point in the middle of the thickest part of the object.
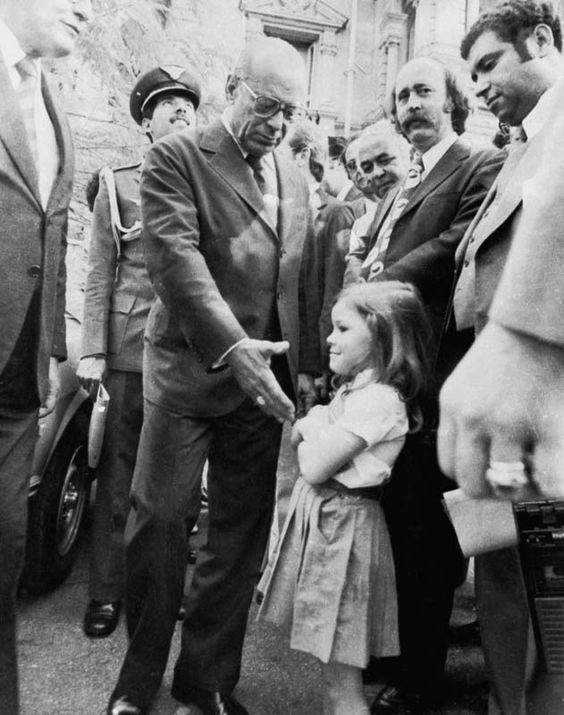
(540, 525)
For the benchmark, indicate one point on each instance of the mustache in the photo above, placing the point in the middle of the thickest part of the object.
(413, 118)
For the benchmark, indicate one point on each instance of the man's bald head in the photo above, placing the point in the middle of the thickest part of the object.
(268, 69)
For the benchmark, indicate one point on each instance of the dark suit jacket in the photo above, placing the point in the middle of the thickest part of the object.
(33, 238)
(118, 292)
(425, 237)
(220, 270)
(519, 283)
(332, 236)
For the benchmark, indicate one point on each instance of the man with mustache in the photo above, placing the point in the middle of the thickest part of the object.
(36, 174)
(413, 238)
(116, 305)
(225, 221)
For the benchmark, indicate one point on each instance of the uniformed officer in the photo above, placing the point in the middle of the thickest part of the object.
(117, 300)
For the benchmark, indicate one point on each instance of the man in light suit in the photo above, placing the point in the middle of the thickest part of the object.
(503, 404)
(413, 238)
(35, 189)
(117, 299)
(225, 224)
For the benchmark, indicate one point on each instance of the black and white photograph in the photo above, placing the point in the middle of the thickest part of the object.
(281, 357)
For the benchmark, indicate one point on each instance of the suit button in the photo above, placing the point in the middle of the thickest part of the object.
(282, 252)
(34, 271)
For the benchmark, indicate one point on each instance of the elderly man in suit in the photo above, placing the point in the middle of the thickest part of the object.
(503, 404)
(35, 189)
(413, 238)
(117, 299)
(225, 223)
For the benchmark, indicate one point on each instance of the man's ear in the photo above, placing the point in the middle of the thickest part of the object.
(540, 41)
(230, 86)
(146, 127)
(449, 105)
(302, 157)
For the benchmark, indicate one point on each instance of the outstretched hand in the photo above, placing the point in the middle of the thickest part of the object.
(250, 363)
(505, 403)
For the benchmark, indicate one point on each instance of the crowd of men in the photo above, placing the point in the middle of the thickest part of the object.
(212, 270)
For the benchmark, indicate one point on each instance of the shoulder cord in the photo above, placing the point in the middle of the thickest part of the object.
(119, 231)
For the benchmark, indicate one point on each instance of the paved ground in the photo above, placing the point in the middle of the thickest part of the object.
(64, 673)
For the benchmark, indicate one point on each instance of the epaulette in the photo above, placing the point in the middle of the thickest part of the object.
(135, 165)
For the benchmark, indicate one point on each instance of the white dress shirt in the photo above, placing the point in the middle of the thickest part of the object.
(47, 149)
(433, 155)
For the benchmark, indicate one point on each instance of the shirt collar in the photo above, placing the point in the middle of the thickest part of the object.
(345, 190)
(433, 155)
(10, 48)
(226, 118)
(540, 113)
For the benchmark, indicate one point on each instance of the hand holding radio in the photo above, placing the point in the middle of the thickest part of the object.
(501, 431)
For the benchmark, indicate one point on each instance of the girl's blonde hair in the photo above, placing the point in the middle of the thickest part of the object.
(401, 335)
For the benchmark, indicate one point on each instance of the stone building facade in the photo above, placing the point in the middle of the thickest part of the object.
(354, 48)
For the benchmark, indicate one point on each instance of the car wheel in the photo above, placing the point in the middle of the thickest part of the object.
(56, 513)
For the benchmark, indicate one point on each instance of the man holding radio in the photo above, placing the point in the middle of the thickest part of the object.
(502, 410)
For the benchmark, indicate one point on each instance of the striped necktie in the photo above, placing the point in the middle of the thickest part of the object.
(374, 261)
(26, 95)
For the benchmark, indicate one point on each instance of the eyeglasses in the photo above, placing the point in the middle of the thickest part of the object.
(265, 106)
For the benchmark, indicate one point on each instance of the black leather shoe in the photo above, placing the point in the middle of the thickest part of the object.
(123, 706)
(213, 703)
(392, 701)
(101, 619)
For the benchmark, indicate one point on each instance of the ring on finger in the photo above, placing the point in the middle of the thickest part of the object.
(261, 402)
(507, 475)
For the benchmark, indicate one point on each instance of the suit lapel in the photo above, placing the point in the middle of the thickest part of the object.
(439, 173)
(14, 136)
(64, 146)
(228, 161)
(509, 199)
(287, 193)
(381, 212)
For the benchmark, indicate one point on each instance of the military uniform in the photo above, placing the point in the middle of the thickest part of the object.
(117, 300)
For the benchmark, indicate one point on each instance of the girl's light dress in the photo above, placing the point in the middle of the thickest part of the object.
(331, 580)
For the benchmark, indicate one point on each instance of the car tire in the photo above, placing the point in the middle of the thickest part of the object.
(56, 513)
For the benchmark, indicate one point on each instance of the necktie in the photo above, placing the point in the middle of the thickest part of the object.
(464, 294)
(26, 95)
(269, 192)
(256, 164)
(374, 262)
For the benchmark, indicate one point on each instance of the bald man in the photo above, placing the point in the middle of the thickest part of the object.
(225, 223)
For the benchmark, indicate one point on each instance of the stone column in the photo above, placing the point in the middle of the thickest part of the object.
(323, 88)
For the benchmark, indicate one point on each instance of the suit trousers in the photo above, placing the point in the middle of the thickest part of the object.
(18, 433)
(428, 560)
(242, 448)
(113, 483)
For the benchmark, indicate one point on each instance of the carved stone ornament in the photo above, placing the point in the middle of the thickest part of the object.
(296, 5)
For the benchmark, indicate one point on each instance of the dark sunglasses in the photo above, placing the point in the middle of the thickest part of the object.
(265, 106)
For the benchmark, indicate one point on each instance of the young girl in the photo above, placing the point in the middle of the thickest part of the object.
(331, 580)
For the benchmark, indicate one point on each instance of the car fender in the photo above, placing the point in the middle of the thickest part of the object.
(51, 429)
